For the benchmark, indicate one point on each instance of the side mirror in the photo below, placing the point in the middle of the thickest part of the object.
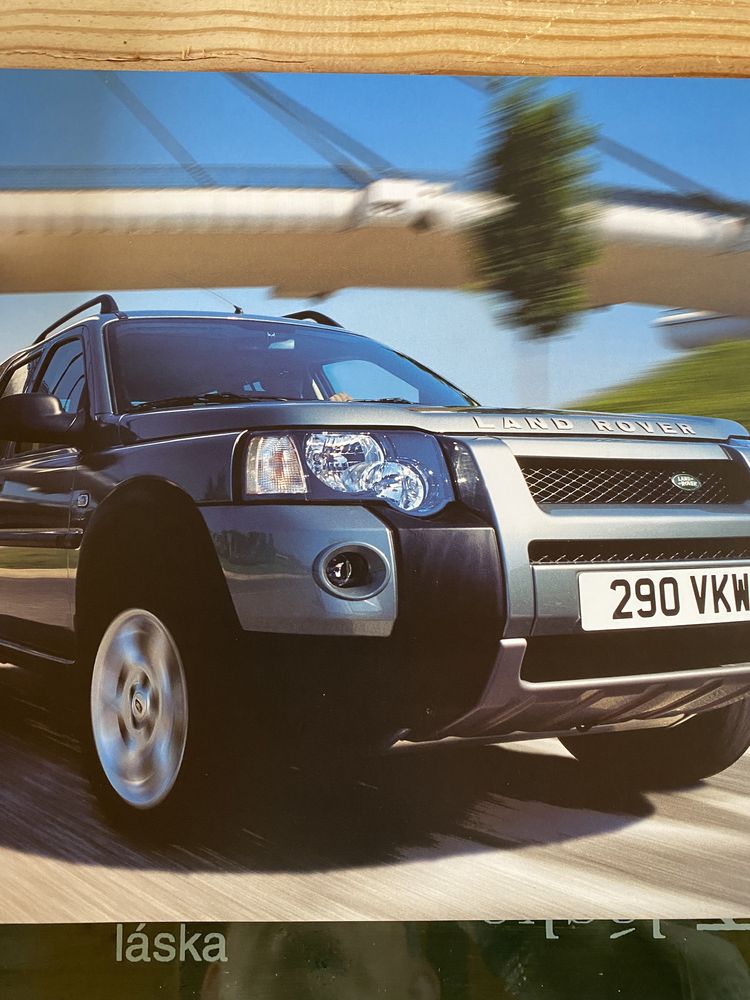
(40, 419)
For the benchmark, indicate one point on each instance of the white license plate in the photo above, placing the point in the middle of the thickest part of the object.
(656, 598)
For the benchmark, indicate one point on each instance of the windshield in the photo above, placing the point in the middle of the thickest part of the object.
(179, 361)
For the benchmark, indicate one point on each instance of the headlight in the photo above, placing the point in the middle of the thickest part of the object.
(343, 461)
(406, 469)
(400, 484)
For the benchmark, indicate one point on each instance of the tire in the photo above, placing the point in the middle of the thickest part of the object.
(668, 758)
(163, 712)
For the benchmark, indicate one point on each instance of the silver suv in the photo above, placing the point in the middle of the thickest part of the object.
(273, 530)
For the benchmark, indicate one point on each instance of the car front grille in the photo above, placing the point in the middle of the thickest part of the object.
(565, 553)
(614, 482)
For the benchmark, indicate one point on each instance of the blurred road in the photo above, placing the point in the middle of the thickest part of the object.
(448, 832)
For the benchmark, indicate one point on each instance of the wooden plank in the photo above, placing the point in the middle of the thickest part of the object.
(602, 37)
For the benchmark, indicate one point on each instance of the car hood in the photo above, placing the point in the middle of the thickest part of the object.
(188, 421)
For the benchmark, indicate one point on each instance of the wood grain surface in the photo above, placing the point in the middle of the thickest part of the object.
(603, 37)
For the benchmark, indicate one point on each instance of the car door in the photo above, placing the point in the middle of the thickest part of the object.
(36, 492)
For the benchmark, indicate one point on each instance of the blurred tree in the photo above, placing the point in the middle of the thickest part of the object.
(532, 251)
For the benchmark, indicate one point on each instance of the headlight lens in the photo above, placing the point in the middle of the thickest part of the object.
(406, 469)
(400, 484)
(343, 461)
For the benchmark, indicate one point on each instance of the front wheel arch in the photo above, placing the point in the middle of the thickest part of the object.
(146, 530)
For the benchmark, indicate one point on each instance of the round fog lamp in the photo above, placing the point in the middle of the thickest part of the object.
(347, 569)
(353, 572)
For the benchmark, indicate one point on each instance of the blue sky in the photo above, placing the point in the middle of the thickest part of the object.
(698, 127)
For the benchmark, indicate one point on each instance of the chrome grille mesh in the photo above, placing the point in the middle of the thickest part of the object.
(562, 553)
(578, 482)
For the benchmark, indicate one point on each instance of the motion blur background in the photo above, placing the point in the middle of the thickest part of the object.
(84, 151)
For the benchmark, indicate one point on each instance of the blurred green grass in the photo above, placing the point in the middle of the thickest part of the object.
(712, 382)
(32, 558)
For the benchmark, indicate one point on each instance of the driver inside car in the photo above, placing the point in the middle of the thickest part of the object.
(288, 384)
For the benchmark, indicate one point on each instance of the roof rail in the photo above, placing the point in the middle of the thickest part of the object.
(316, 317)
(107, 303)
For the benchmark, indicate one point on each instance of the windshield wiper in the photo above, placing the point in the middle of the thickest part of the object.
(207, 398)
(386, 399)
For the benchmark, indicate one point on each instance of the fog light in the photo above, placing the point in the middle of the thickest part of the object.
(352, 572)
(347, 569)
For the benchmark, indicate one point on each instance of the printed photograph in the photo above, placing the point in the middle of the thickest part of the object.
(526, 960)
(375, 505)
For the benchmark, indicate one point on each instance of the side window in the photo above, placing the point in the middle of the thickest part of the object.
(20, 379)
(62, 375)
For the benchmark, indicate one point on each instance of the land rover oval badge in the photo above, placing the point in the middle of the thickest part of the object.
(684, 481)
